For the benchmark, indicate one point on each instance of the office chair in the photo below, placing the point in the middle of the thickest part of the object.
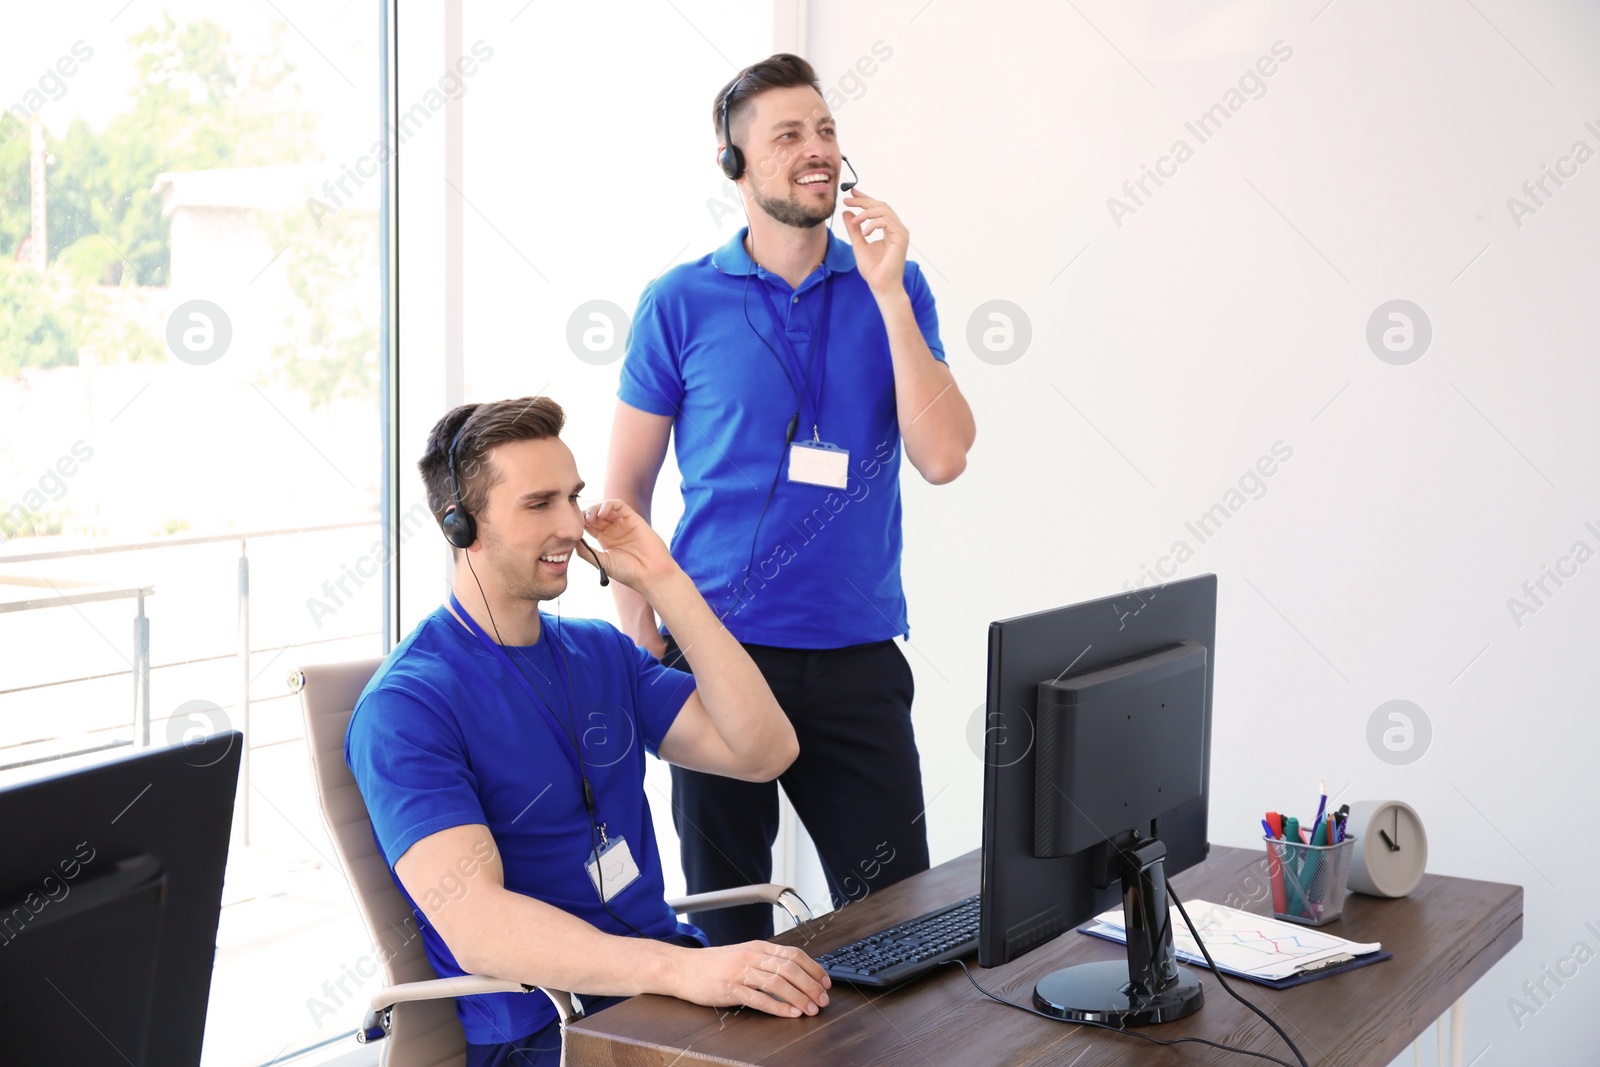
(414, 1011)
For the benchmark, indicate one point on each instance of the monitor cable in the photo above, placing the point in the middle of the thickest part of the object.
(1221, 978)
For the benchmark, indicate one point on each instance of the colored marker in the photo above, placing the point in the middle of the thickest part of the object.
(1275, 873)
(1312, 864)
(1291, 865)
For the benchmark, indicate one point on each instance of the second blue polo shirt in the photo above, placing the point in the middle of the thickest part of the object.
(826, 569)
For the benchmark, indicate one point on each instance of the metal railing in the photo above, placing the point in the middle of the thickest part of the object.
(66, 592)
(90, 593)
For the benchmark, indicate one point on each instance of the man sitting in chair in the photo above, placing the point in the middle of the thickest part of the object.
(500, 750)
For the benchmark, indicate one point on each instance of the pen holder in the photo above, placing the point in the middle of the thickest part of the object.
(1308, 880)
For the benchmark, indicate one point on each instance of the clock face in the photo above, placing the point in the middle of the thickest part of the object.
(1392, 851)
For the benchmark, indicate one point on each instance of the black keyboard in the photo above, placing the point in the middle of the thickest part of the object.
(908, 950)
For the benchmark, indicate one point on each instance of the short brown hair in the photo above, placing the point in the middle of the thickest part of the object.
(775, 72)
(475, 429)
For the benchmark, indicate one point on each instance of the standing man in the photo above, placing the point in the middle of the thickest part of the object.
(790, 367)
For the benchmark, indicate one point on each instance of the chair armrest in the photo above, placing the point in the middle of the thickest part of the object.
(778, 895)
(375, 1026)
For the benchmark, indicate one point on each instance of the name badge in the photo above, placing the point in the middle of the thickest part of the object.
(819, 463)
(612, 869)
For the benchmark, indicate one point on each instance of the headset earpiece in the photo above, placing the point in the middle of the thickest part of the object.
(730, 158)
(732, 162)
(459, 528)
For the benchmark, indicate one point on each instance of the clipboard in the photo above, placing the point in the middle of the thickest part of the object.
(1257, 948)
(1311, 974)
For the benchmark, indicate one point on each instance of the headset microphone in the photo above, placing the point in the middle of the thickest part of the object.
(589, 554)
(855, 179)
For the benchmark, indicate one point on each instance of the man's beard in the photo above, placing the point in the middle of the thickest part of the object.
(790, 212)
(520, 582)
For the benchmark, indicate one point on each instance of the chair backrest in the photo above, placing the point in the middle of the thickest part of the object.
(425, 1033)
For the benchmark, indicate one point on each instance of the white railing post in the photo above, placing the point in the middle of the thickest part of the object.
(141, 676)
(244, 687)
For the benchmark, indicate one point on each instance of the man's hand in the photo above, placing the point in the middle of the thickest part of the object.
(631, 551)
(777, 979)
(881, 263)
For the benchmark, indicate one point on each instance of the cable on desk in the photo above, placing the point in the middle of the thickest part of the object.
(1221, 978)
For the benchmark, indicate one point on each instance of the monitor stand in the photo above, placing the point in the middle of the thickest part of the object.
(1150, 987)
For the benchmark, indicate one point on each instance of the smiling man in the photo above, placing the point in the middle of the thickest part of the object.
(500, 750)
(793, 369)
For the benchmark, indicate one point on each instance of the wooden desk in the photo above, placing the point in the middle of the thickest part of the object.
(1444, 937)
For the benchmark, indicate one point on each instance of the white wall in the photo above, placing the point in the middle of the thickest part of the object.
(1226, 314)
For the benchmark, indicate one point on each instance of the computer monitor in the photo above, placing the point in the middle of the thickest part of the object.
(1097, 758)
(110, 891)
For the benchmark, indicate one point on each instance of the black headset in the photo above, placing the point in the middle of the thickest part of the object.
(461, 530)
(732, 160)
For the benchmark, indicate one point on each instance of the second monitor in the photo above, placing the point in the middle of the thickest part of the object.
(1097, 763)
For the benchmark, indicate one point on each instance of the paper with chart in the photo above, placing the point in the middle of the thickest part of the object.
(1242, 943)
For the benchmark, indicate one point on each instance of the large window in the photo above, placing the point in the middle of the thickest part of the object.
(190, 436)
(199, 438)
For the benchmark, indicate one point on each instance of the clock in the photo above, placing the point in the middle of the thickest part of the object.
(1390, 849)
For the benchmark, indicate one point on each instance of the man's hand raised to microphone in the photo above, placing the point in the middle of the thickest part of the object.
(882, 263)
(630, 550)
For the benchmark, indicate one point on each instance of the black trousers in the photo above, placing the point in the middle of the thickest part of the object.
(856, 785)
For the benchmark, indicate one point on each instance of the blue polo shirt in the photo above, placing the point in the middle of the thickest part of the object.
(445, 736)
(826, 565)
